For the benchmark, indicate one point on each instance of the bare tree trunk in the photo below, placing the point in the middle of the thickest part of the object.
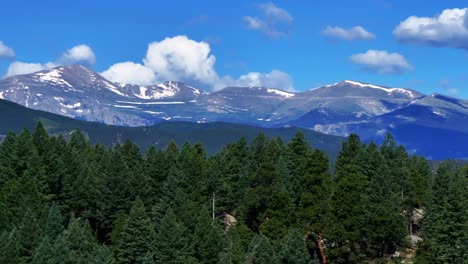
(322, 252)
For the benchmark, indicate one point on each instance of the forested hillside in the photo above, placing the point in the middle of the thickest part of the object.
(265, 201)
(213, 136)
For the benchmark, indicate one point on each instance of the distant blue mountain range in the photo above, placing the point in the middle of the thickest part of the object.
(433, 125)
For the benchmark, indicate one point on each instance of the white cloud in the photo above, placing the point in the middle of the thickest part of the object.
(19, 67)
(382, 62)
(448, 29)
(179, 58)
(355, 33)
(79, 54)
(273, 21)
(182, 59)
(274, 79)
(5, 51)
(129, 72)
(449, 89)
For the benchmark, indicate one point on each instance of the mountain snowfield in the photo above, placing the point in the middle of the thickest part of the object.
(340, 109)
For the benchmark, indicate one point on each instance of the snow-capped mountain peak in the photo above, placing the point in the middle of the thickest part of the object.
(281, 92)
(349, 87)
(386, 89)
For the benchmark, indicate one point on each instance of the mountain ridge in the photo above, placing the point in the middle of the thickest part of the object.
(338, 109)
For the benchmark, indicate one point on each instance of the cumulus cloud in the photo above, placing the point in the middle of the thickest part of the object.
(272, 21)
(182, 59)
(79, 54)
(382, 62)
(5, 51)
(274, 79)
(354, 33)
(19, 67)
(130, 72)
(448, 29)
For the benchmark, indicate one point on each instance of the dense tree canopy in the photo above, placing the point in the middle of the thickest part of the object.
(64, 200)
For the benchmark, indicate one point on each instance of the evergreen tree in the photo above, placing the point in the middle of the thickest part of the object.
(294, 250)
(207, 239)
(297, 151)
(137, 235)
(148, 259)
(313, 207)
(384, 225)
(29, 234)
(10, 248)
(233, 252)
(40, 139)
(347, 205)
(7, 145)
(172, 243)
(261, 251)
(54, 224)
(44, 253)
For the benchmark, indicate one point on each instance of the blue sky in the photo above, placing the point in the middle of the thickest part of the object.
(288, 44)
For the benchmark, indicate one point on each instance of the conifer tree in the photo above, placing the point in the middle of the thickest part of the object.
(384, 224)
(233, 252)
(40, 139)
(137, 235)
(172, 243)
(297, 151)
(44, 253)
(207, 239)
(347, 205)
(294, 250)
(261, 251)
(313, 207)
(10, 248)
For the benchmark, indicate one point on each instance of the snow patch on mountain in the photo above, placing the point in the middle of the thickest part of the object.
(282, 93)
(52, 76)
(150, 103)
(388, 90)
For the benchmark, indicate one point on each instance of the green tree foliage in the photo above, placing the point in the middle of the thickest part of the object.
(294, 250)
(446, 224)
(65, 200)
(384, 224)
(207, 239)
(172, 244)
(137, 235)
(234, 251)
(314, 204)
(347, 205)
(261, 251)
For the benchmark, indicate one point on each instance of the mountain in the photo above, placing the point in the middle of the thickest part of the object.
(213, 136)
(80, 93)
(338, 109)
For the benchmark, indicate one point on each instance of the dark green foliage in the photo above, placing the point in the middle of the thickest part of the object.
(10, 247)
(347, 205)
(314, 204)
(446, 224)
(233, 252)
(44, 253)
(384, 224)
(261, 251)
(294, 250)
(64, 200)
(172, 244)
(207, 239)
(137, 235)
(54, 224)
